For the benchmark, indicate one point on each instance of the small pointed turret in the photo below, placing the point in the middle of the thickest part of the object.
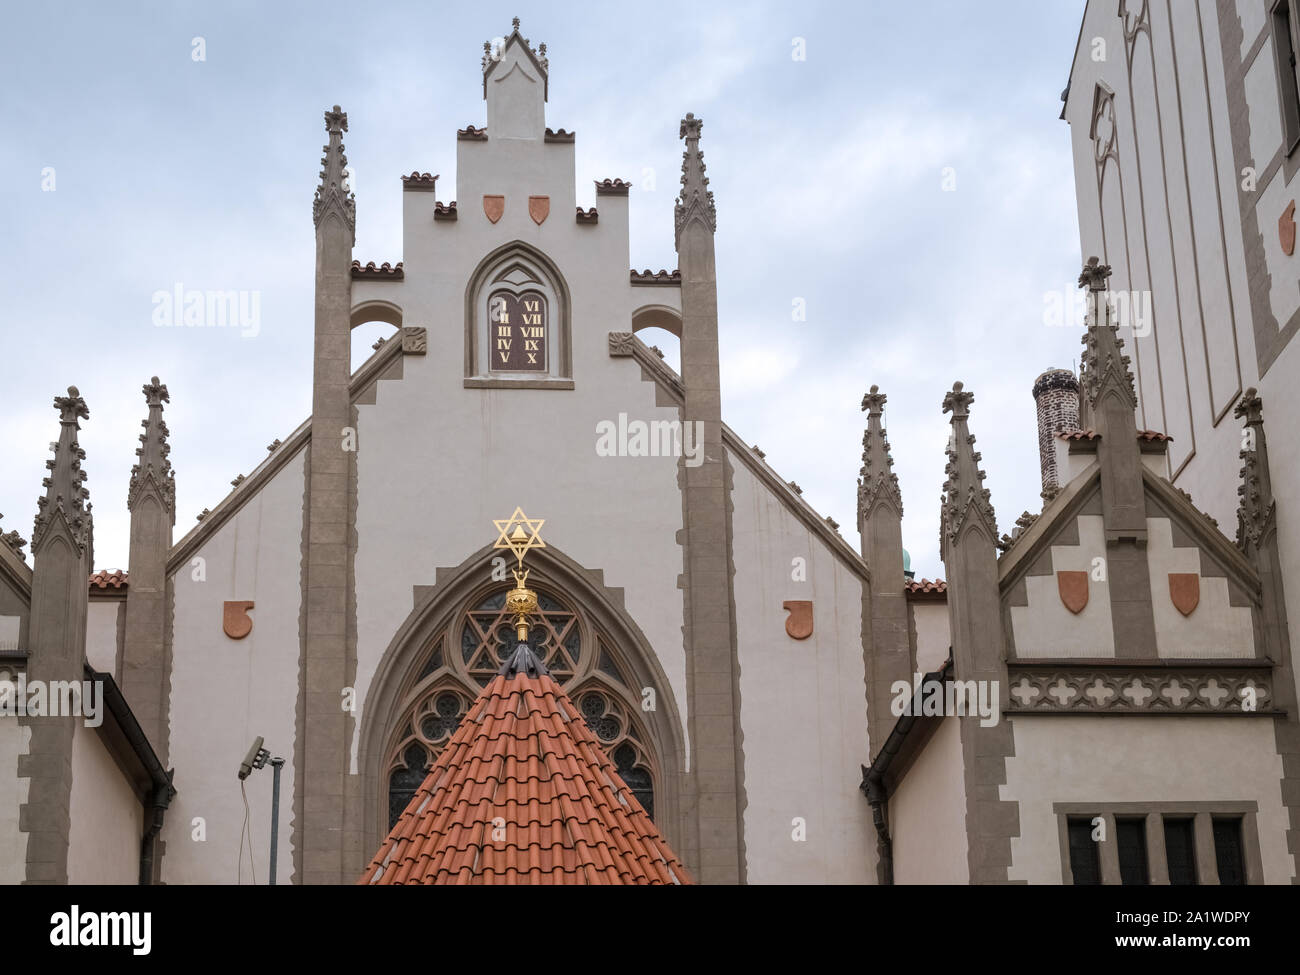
(145, 673)
(331, 470)
(877, 482)
(711, 634)
(153, 471)
(333, 195)
(695, 202)
(62, 553)
(884, 611)
(965, 499)
(1256, 508)
(515, 86)
(968, 539)
(66, 500)
(1112, 403)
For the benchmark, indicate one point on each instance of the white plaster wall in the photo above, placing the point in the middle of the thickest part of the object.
(14, 740)
(437, 462)
(927, 814)
(1262, 104)
(933, 637)
(107, 817)
(1139, 759)
(226, 692)
(1215, 628)
(101, 634)
(802, 702)
(1045, 628)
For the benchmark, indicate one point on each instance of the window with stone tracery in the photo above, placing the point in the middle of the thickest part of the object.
(464, 659)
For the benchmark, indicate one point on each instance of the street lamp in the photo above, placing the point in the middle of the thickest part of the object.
(257, 757)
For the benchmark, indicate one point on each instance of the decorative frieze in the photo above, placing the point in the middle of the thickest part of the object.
(1140, 690)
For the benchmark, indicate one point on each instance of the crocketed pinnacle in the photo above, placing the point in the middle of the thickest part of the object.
(154, 469)
(877, 482)
(965, 499)
(695, 201)
(332, 195)
(66, 504)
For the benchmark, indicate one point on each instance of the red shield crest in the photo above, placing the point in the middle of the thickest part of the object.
(1286, 229)
(235, 620)
(494, 206)
(799, 624)
(1185, 591)
(539, 207)
(1073, 587)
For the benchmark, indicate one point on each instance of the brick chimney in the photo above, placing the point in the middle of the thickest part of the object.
(1056, 395)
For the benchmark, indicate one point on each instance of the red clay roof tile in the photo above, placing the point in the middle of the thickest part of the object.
(524, 794)
(109, 579)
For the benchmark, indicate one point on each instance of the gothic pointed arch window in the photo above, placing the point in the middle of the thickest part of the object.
(462, 659)
(517, 322)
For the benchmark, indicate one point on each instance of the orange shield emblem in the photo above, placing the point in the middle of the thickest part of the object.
(539, 207)
(1073, 587)
(799, 624)
(235, 619)
(1185, 591)
(494, 206)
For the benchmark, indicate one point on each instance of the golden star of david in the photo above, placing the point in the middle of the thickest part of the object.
(519, 533)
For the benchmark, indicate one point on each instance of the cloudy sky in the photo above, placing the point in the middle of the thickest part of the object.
(909, 181)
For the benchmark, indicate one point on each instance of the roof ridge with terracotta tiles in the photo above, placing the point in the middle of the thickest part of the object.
(523, 794)
(925, 586)
(109, 579)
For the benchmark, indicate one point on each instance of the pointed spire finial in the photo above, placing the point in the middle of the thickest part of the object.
(332, 195)
(153, 468)
(1105, 366)
(877, 481)
(14, 541)
(1256, 507)
(66, 499)
(965, 497)
(695, 201)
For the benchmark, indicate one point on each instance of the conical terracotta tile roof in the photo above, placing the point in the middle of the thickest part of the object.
(523, 793)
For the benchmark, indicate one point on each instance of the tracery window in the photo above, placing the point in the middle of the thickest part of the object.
(463, 659)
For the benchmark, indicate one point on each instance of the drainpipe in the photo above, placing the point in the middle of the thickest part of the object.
(878, 797)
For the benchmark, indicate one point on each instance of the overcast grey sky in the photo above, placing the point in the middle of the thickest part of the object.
(828, 175)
